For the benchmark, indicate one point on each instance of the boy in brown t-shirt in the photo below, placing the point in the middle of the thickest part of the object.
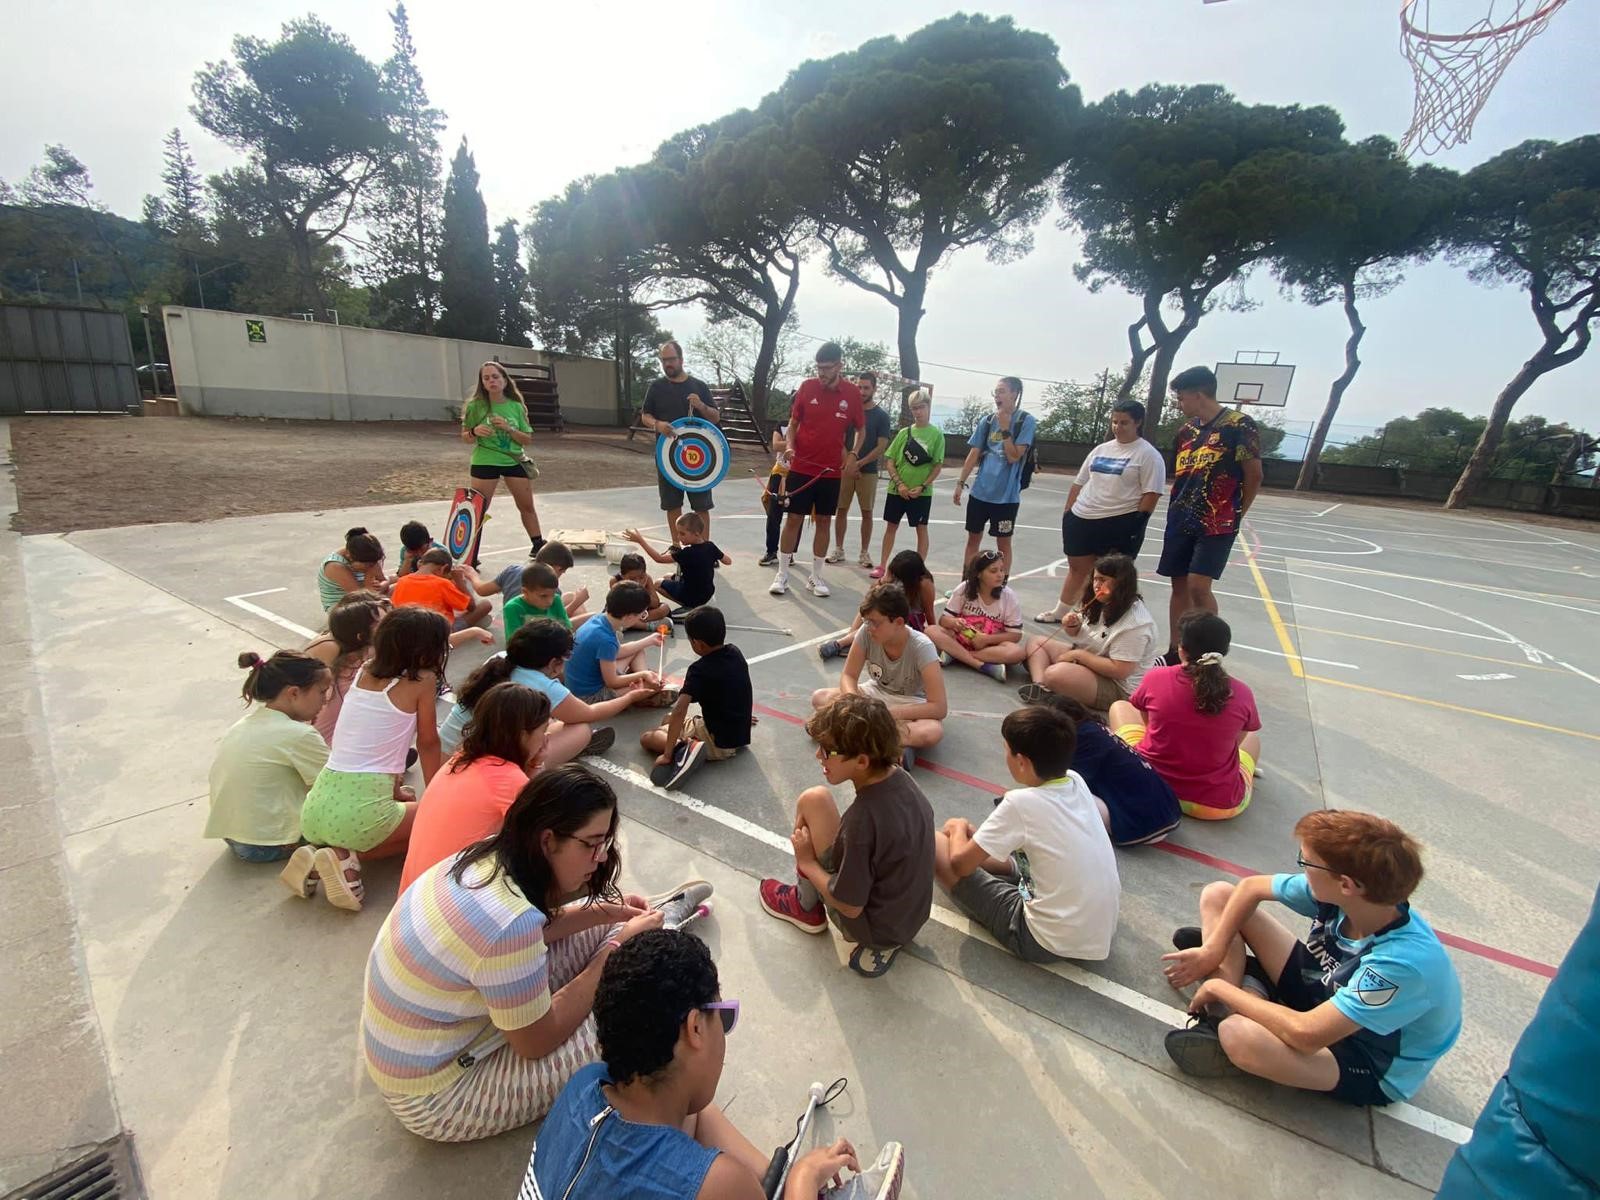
(869, 871)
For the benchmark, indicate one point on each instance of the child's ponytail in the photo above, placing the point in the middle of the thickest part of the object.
(1204, 638)
(269, 676)
(361, 546)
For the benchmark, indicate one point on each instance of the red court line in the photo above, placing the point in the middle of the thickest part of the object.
(1492, 953)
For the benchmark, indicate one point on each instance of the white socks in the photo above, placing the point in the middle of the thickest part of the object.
(816, 568)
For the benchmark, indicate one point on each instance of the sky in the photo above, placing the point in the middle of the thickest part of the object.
(545, 93)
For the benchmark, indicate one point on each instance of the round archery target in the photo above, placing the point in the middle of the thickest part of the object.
(458, 534)
(695, 460)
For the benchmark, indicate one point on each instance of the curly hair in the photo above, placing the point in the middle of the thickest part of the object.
(647, 987)
(854, 725)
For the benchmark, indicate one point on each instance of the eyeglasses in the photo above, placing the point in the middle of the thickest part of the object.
(824, 753)
(727, 1011)
(1311, 866)
(597, 848)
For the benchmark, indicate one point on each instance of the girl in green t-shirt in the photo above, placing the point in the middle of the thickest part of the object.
(495, 421)
(913, 461)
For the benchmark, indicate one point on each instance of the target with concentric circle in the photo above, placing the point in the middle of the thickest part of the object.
(697, 458)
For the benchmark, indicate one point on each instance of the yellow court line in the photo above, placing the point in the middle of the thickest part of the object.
(1291, 654)
(1366, 637)
(1473, 712)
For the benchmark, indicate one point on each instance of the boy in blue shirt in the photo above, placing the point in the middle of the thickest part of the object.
(601, 666)
(1361, 1009)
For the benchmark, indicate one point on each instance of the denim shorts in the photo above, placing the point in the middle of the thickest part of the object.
(245, 852)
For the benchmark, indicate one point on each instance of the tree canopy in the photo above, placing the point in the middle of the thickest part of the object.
(466, 264)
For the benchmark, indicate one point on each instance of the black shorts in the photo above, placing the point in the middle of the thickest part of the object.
(487, 471)
(1299, 986)
(812, 495)
(1194, 553)
(897, 508)
(1001, 518)
(1108, 535)
(672, 498)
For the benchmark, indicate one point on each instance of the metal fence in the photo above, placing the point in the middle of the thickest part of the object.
(65, 360)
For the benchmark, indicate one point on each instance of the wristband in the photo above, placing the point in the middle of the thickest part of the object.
(612, 942)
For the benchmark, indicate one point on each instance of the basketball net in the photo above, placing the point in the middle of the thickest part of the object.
(1455, 69)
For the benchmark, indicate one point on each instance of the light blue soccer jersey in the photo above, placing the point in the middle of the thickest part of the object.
(1398, 985)
(998, 479)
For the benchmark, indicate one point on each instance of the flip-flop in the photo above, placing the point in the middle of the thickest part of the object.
(870, 962)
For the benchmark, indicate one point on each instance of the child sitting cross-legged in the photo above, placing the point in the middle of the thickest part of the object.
(1109, 643)
(535, 657)
(467, 800)
(696, 558)
(646, 1111)
(981, 625)
(271, 756)
(601, 667)
(908, 570)
(632, 567)
(539, 596)
(1360, 1010)
(869, 871)
(719, 681)
(558, 557)
(1039, 873)
(1136, 804)
(433, 585)
(1195, 725)
(892, 662)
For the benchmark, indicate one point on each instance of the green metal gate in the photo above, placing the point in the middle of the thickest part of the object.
(65, 360)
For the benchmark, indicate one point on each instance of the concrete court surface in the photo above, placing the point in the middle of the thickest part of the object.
(228, 1011)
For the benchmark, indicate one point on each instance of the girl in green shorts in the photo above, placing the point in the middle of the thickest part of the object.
(358, 805)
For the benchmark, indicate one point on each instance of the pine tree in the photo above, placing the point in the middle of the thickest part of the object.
(405, 213)
(514, 314)
(466, 266)
(184, 200)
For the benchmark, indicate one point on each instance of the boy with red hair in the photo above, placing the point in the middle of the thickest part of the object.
(1361, 1009)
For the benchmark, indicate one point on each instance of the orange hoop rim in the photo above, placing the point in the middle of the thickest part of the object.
(1543, 11)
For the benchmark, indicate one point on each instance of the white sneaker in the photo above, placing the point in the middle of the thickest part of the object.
(818, 586)
(880, 1181)
(780, 584)
(835, 555)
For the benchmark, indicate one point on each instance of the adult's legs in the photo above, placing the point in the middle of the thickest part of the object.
(1177, 605)
(521, 490)
(974, 540)
(1079, 568)
(1003, 544)
(774, 517)
(819, 537)
(563, 742)
(1200, 593)
(867, 500)
(922, 542)
(841, 520)
(673, 516)
(890, 528)
(790, 541)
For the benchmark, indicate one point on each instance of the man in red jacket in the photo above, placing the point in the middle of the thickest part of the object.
(825, 410)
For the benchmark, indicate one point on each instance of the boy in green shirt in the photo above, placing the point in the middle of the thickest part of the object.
(913, 461)
(541, 597)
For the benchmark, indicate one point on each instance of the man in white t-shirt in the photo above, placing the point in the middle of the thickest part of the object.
(892, 662)
(1039, 874)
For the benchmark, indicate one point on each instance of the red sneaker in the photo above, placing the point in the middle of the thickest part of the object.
(782, 900)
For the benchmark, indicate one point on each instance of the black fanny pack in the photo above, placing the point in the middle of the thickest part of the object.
(914, 452)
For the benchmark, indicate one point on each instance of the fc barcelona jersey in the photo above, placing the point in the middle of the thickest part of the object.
(1207, 475)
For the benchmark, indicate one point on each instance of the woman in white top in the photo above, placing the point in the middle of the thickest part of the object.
(1108, 646)
(1109, 503)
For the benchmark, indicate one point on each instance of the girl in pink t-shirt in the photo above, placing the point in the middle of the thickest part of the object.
(1195, 725)
(467, 800)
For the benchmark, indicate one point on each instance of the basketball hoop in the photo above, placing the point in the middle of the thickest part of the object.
(1456, 69)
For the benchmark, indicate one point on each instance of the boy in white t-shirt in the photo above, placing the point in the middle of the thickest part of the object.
(1040, 874)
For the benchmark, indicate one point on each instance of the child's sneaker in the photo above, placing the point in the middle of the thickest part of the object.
(1033, 693)
(865, 560)
(818, 586)
(944, 659)
(299, 875)
(600, 741)
(685, 903)
(768, 560)
(870, 962)
(782, 900)
(342, 892)
(995, 671)
(835, 555)
(686, 756)
(830, 649)
(880, 1181)
(665, 698)
(1198, 1049)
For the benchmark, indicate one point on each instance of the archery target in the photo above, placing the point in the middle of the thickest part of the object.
(695, 460)
(465, 523)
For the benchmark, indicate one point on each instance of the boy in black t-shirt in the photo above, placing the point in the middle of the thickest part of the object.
(720, 681)
(696, 558)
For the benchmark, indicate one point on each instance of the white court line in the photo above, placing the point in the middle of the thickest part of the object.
(1328, 510)
(1326, 662)
(1507, 593)
(242, 601)
(782, 650)
(1174, 1018)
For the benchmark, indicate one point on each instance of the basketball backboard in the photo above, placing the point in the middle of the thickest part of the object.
(1263, 383)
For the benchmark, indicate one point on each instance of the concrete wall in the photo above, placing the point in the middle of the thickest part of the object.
(316, 371)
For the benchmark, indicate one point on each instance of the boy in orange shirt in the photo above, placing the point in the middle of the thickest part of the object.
(431, 586)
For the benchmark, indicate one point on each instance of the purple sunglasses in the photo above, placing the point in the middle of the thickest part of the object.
(726, 1010)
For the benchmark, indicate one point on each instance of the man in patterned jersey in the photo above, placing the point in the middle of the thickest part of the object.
(1215, 476)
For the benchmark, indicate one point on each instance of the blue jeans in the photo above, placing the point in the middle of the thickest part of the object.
(258, 854)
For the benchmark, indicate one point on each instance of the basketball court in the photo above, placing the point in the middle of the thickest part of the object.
(1438, 669)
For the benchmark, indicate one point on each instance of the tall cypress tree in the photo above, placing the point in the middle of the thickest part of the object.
(405, 215)
(512, 311)
(466, 266)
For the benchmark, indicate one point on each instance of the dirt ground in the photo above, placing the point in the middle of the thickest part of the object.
(99, 472)
(102, 472)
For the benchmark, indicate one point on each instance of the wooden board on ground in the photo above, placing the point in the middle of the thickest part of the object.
(592, 540)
